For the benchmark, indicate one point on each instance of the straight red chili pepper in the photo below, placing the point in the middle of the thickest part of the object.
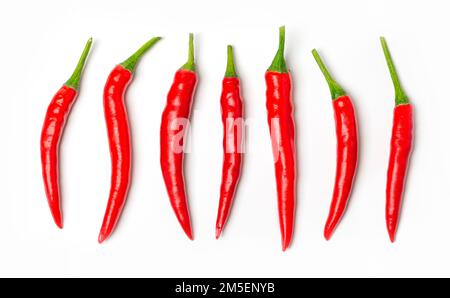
(282, 128)
(174, 126)
(52, 131)
(401, 147)
(119, 137)
(233, 138)
(347, 149)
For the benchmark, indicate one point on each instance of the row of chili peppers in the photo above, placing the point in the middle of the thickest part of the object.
(173, 132)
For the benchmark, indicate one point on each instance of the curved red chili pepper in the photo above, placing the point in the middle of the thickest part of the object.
(347, 149)
(119, 137)
(282, 128)
(233, 137)
(53, 128)
(174, 125)
(401, 147)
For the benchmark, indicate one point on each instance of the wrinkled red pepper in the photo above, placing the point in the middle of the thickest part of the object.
(401, 147)
(52, 131)
(233, 138)
(347, 149)
(174, 126)
(119, 137)
(280, 114)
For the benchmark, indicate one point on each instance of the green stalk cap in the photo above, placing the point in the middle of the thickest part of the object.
(130, 63)
(335, 89)
(279, 63)
(400, 95)
(190, 64)
(231, 70)
(74, 81)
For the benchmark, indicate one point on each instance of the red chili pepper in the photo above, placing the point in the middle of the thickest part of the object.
(401, 147)
(233, 137)
(174, 125)
(347, 149)
(54, 123)
(119, 137)
(282, 128)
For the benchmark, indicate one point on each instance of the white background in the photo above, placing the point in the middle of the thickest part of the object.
(41, 43)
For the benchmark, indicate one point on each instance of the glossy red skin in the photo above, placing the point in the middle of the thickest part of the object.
(119, 145)
(401, 147)
(52, 130)
(347, 159)
(232, 113)
(280, 109)
(178, 108)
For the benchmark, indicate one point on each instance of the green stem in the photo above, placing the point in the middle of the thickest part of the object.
(400, 95)
(131, 62)
(335, 89)
(231, 70)
(74, 81)
(190, 64)
(278, 63)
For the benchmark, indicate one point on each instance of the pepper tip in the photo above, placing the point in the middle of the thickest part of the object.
(392, 237)
(57, 218)
(60, 225)
(218, 232)
(189, 233)
(101, 238)
(285, 244)
(328, 233)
